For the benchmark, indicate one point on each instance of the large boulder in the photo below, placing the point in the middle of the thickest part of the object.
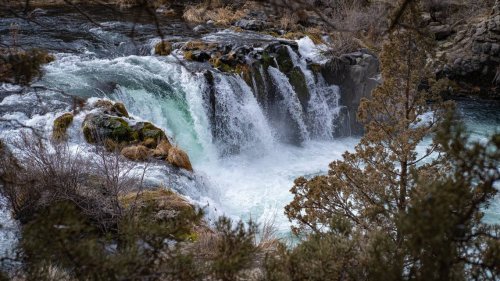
(98, 127)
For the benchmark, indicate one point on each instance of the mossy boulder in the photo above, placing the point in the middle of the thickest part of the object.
(120, 109)
(112, 108)
(61, 125)
(166, 209)
(98, 127)
(109, 126)
(146, 131)
(177, 157)
(163, 48)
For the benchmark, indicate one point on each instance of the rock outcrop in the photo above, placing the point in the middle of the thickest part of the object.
(111, 126)
(473, 56)
(357, 74)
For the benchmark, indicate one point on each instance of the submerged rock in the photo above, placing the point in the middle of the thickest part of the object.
(61, 125)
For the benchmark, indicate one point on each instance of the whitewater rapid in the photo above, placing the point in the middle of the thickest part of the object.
(243, 169)
(253, 183)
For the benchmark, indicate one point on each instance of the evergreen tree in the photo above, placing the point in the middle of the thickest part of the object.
(376, 197)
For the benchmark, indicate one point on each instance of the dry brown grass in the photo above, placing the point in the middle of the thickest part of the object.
(220, 15)
(288, 21)
(314, 34)
(120, 3)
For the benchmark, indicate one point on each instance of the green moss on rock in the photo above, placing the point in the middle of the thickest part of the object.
(299, 84)
(61, 125)
(267, 60)
(284, 60)
(164, 48)
(147, 130)
(120, 109)
(101, 126)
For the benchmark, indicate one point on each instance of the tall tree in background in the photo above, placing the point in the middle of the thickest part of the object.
(373, 184)
(373, 207)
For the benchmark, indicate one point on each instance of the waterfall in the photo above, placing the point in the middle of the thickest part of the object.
(239, 121)
(242, 139)
(290, 101)
(323, 107)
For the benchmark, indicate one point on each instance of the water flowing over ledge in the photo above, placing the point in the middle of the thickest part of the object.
(248, 137)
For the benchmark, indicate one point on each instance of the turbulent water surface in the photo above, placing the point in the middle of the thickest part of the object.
(243, 159)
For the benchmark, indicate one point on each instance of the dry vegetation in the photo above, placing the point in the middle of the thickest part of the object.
(72, 209)
(214, 10)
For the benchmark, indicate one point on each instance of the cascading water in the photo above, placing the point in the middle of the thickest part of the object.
(239, 124)
(242, 167)
(290, 102)
(237, 135)
(323, 106)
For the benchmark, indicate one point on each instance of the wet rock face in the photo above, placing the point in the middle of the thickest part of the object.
(99, 127)
(252, 24)
(473, 56)
(357, 75)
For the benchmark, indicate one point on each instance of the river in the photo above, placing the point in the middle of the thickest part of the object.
(247, 170)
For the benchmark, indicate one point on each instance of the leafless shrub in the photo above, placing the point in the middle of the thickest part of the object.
(288, 20)
(268, 235)
(341, 43)
(43, 173)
